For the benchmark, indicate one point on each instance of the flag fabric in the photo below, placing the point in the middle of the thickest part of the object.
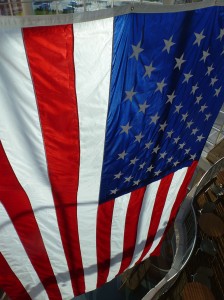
(101, 127)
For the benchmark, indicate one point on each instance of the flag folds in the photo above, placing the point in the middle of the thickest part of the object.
(101, 127)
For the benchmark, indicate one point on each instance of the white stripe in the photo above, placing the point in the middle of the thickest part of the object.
(117, 234)
(144, 220)
(16, 257)
(21, 137)
(175, 186)
(93, 51)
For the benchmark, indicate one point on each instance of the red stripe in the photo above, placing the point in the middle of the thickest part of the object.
(180, 197)
(50, 56)
(10, 284)
(18, 207)
(157, 212)
(103, 235)
(131, 227)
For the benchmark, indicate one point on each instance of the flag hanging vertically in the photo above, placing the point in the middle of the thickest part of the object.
(101, 127)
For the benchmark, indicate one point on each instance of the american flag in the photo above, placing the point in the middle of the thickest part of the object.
(101, 127)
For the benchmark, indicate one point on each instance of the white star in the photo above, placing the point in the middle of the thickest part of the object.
(199, 38)
(148, 70)
(187, 151)
(194, 131)
(149, 169)
(171, 98)
(170, 159)
(143, 107)
(154, 118)
(194, 88)
(168, 44)
(122, 155)
(136, 182)
(136, 50)
(176, 163)
(142, 165)
(193, 157)
(207, 116)
(203, 107)
(162, 155)
(222, 52)
(209, 69)
(160, 86)
(199, 138)
(156, 149)
(199, 98)
(217, 91)
(184, 117)
(118, 175)
(189, 124)
(176, 140)
(179, 62)
(128, 179)
(133, 161)
(187, 76)
(126, 128)
(205, 55)
(181, 146)
(114, 191)
(213, 81)
(221, 34)
(169, 133)
(148, 145)
(163, 126)
(138, 137)
(157, 172)
(178, 107)
(130, 94)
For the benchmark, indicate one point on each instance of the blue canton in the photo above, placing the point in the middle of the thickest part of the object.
(166, 91)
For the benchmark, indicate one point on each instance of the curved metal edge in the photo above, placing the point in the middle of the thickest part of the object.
(178, 264)
(131, 7)
(186, 206)
(210, 174)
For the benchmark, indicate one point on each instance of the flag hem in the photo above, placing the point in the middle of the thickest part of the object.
(62, 19)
